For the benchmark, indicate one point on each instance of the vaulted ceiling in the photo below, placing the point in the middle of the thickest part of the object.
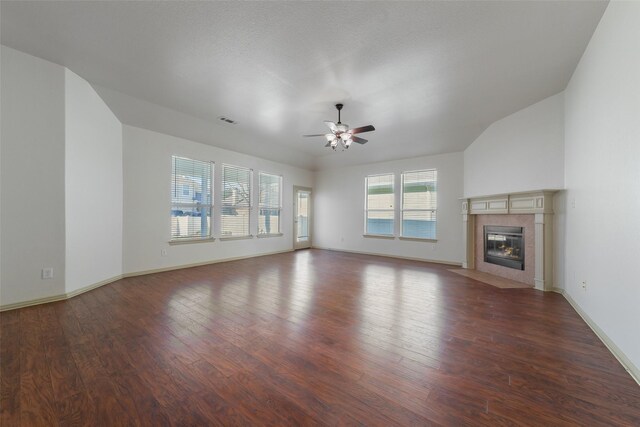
(430, 76)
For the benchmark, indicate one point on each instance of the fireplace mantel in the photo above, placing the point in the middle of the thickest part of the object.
(538, 203)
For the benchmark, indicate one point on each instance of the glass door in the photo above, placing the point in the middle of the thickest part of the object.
(301, 218)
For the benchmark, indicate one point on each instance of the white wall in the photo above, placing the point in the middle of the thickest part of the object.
(602, 143)
(93, 182)
(522, 152)
(147, 202)
(32, 180)
(339, 209)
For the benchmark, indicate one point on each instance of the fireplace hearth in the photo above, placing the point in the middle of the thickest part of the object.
(504, 246)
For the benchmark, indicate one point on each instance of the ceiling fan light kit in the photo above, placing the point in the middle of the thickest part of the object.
(341, 134)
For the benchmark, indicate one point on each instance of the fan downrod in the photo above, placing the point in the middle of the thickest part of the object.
(339, 107)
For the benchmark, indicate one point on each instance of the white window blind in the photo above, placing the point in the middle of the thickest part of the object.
(379, 205)
(269, 203)
(236, 201)
(191, 198)
(419, 204)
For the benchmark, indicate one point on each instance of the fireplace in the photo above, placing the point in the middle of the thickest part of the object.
(504, 246)
(532, 213)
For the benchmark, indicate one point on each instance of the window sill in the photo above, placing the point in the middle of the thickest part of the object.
(417, 239)
(250, 236)
(379, 236)
(189, 241)
(264, 236)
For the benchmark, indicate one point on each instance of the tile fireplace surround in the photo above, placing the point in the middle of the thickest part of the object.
(532, 210)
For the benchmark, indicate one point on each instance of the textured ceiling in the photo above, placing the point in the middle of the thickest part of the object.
(431, 76)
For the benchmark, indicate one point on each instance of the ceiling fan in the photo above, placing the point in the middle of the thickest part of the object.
(341, 134)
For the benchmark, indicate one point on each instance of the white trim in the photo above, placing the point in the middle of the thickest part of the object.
(417, 239)
(626, 363)
(226, 239)
(60, 297)
(435, 261)
(187, 240)
(199, 264)
(380, 236)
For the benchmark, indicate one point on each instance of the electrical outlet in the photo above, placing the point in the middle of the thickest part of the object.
(573, 202)
(163, 252)
(47, 273)
(584, 285)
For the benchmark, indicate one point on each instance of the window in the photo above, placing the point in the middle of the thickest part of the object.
(419, 203)
(191, 198)
(379, 205)
(236, 201)
(269, 203)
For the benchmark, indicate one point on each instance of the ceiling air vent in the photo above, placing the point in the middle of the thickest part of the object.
(227, 120)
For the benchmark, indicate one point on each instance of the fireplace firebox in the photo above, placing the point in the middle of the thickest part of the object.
(504, 246)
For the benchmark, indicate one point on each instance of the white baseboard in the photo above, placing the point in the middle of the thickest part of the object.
(626, 363)
(199, 264)
(59, 297)
(67, 295)
(435, 261)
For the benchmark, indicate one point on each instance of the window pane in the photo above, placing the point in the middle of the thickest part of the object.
(419, 190)
(190, 181)
(236, 201)
(270, 203)
(269, 221)
(303, 216)
(380, 222)
(270, 190)
(190, 198)
(190, 221)
(380, 192)
(421, 224)
(379, 209)
(236, 223)
(236, 182)
(419, 204)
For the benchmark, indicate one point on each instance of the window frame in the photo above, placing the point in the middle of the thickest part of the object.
(249, 207)
(403, 210)
(392, 210)
(278, 208)
(195, 204)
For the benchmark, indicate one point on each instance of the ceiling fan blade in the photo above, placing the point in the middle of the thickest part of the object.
(318, 134)
(359, 140)
(362, 129)
(332, 126)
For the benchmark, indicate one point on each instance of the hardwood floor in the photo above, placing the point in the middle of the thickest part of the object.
(309, 338)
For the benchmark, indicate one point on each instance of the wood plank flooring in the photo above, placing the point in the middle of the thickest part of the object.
(309, 338)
